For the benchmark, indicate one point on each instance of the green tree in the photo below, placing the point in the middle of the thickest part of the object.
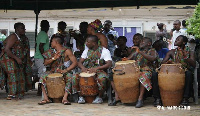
(193, 23)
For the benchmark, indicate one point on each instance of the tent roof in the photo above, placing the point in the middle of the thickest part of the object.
(73, 4)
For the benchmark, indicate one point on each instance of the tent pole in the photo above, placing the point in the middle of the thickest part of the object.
(36, 27)
(37, 11)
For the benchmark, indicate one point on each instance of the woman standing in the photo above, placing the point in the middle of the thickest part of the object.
(94, 29)
(11, 63)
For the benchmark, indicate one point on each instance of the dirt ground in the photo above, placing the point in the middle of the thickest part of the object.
(28, 107)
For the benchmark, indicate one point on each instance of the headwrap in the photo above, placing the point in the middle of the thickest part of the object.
(97, 25)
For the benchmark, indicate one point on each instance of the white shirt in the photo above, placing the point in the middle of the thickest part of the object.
(191, 45)
(175, 35)
(74, 46)
(104, 55)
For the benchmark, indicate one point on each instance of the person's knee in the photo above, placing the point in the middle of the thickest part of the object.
(188, 75)
(154, 75)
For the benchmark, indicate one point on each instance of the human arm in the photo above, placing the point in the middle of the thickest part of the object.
(150, 57)
(189, 58)
(9, 44)
(50, 60)
(167, 57)
(81, 60)
(112, 38)
(41, 48)
(72, 58)
(103, 40)
(132, 53)
(42, 39)
(129, 51)
(80, 64)
(105, 66)
(105, 55)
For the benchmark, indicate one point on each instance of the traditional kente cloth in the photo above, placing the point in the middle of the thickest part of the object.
(27, 63)
(179, 58)
(97, 25)
(59, 63)
(13, 71)
(146, 68)
(93, 60)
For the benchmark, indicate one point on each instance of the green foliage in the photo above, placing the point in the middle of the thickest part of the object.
(193, 23)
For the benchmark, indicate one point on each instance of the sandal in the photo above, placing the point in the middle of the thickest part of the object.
(9, 98)
(44, 102)
(66, 102)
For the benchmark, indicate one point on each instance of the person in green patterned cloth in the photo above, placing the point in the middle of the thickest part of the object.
(145, 56)
(96, 59)
(61, 60)
(94, 29)
(12, 63)
(183, 55)
(27, 63)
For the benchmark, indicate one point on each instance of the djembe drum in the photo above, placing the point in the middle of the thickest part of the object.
(171, 81)
(55, 87)
(88, 86)
(126, 74)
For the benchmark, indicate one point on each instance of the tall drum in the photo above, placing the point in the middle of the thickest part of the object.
(55, 86)
(126, 74)
(171, 80)
(88, 86)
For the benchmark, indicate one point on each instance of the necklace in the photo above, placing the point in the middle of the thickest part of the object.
(18, 36)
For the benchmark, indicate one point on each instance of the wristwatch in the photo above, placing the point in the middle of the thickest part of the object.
(53, 58)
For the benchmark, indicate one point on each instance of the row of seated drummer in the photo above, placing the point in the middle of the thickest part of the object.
(132, 97)
(171, 84)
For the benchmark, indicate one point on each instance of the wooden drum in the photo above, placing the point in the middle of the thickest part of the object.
(171, 80)
(55, 86)
(126, 74)
(88, 86)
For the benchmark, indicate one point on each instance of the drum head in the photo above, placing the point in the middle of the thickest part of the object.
(178, 64)
(125, 62)
(85, 74)
(54, 75)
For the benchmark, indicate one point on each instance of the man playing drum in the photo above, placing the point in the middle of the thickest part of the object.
(137, 38)
(95, 60)
(60, 61)
(145, 57)
(183, 55)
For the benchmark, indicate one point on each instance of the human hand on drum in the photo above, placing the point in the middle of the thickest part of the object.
(61, 71)
(84, 69)
(136, 48)
(169, 62)
(124, 59)
(92, 70)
